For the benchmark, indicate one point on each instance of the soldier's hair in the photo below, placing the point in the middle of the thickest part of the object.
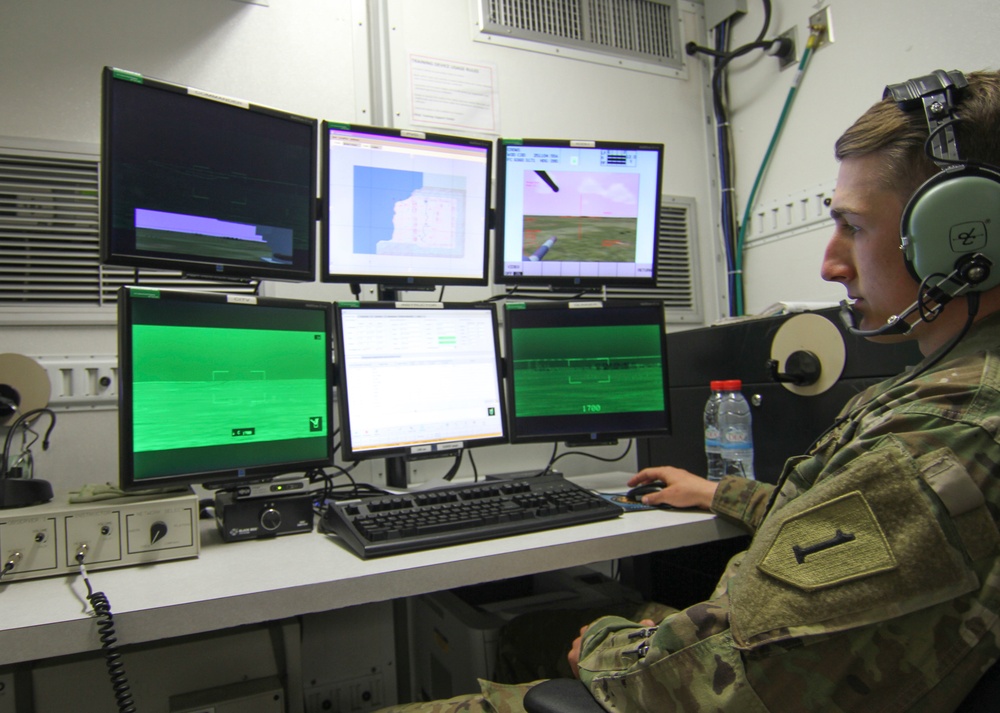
(900, 136)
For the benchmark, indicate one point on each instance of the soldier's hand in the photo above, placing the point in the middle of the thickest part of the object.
(681, 488)
(574, 652)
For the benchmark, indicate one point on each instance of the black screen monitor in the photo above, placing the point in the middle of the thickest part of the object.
(576, 214)
(586, 373)
(204, 184)
(418, 379)
(221, 389)
(404, 209)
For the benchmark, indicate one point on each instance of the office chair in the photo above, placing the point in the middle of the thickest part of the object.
(569, 695)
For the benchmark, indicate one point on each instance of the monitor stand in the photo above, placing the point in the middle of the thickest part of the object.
(390, 293)
(396, 472)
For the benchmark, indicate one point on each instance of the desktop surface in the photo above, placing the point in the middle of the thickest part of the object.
(233, 584)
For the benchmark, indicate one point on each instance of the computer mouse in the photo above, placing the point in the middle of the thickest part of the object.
(636, 493)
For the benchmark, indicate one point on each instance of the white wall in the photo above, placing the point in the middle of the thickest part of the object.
(876, 43)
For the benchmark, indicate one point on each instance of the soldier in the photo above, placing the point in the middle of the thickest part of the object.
(872, 581)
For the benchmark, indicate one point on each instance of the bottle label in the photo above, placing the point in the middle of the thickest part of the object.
(736, 437)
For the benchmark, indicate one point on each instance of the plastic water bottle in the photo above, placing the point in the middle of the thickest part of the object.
(713, 438)
(735, 429)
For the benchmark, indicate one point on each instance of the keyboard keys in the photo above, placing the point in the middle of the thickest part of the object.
(462, 513)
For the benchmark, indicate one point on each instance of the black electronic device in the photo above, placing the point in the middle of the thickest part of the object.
(467, 512)
(205, 184)
(262, 517)
(577, 214)
(21, 492)
(418, 379)
(221, 390)
(404, 209)
(586, 373)
(946, 223)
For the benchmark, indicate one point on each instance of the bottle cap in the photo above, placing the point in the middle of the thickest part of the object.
(732, 385)
(716, 385)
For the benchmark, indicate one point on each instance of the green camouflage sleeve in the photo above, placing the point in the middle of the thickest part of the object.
(872, 584)
(741, 500)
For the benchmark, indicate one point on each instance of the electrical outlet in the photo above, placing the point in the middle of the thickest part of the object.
(790, 56)
(821, 21)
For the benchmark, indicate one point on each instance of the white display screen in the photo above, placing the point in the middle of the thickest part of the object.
(405, 210)
(417, 381)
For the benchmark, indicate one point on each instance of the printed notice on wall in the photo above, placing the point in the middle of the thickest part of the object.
(453, 95)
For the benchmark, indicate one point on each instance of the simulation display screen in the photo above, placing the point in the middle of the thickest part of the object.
(572, 214)
(586, 373)
(222, 388)
(418, 381)
(405, 208)
(206, 185)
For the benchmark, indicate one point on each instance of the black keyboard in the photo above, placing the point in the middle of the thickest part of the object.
(455, 514)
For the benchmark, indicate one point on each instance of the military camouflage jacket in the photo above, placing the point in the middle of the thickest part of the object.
(871, 584)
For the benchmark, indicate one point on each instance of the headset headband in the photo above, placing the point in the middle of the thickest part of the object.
(937, 93)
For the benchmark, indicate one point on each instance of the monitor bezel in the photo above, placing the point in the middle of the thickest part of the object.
(214, 479)
(406, 453)
(388, 279)
(610, 430)
(569, 282)
(118, 251)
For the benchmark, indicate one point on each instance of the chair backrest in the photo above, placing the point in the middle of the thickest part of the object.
(985, 695)
(561, 695)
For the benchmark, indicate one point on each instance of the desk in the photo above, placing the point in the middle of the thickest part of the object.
(232, 584)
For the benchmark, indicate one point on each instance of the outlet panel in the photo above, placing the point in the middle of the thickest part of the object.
(822, 21)
(798, 213)
(82, 382)
(44, 540)
(354, 696)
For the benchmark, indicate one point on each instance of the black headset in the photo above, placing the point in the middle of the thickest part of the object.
(946, 225)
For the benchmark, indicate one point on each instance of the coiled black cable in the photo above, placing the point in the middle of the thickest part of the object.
(106, 631)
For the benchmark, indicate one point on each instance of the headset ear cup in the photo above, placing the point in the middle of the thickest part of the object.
(955, 214)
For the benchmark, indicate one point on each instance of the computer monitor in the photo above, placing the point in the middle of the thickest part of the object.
(576, 214)
(586, 373)
(205, 184)
(221, 389)
(418, 380)
(404, 209)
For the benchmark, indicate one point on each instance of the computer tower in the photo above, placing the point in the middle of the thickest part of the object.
(454, 635)
(786, 418)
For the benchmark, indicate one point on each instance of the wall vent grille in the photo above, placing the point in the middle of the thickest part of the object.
(643, 30)
(49, 236)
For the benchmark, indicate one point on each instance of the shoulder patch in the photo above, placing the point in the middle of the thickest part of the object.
(831, 543)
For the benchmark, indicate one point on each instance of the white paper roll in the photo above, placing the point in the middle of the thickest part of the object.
(812, 333)
(26, 382)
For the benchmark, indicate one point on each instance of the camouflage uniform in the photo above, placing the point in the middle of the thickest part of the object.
(872, 583)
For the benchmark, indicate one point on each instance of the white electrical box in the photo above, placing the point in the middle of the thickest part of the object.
(44, 540)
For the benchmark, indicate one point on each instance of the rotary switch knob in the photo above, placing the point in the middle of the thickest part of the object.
(157, 531)
(270, 518)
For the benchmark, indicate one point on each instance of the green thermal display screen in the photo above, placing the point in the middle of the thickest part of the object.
(588, 370)
(220, 387)
(586, 374)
